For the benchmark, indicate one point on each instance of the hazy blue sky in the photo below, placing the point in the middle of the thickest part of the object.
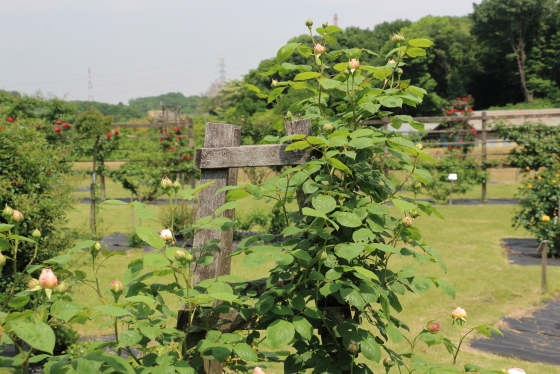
(138, 48)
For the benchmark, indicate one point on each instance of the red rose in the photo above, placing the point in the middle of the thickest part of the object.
(437, 151)
(161, 140)
(458, 98)
(2, 128)
(177, 137)
(448, 112)
(462, 111)
(449, 147)
(59, 122)
(108, 135)
(474, 132)
(470, 110)
(168, 134)
(172, 149)
(10, 119)
(460, 140)
(66, 125)
(464, 98)
(187, 157)
(57, 129)
(116, 132)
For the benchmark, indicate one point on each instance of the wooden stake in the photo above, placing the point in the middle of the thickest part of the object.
(543, 249)
(484, 152)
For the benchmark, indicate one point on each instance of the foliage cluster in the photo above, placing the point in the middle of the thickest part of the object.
(537, 155)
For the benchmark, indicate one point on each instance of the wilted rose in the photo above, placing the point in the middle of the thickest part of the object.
(47, 279)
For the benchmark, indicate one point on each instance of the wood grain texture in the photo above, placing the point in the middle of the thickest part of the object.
(250, 155)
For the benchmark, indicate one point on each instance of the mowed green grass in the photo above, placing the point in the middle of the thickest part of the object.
(468, 240)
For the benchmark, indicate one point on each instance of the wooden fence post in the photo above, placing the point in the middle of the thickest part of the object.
(484, 152)
(543, 250)
(217, 135)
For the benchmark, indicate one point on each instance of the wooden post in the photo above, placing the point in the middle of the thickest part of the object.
(484, 152)
(191, 133)
(451, 194)
(543, 249)
(217, 135)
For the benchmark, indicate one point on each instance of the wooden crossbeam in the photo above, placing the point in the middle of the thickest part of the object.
(250, 155)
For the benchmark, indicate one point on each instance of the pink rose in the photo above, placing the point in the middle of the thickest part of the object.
(459, 313)
(433, 327)
(258, 370)
(353, 64)
(47, 279)
(515, 371)
(116, 287)
(166, 234)
(319, 48)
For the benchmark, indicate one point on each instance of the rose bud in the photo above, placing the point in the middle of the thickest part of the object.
(319, 48)
(97, 246)
(274, 83)
(353, 64)
(407, 221)
(166, 234)
(10, 119)
(433, 326)
(189, 257)
(7, 212)
(328, 127)
(180, 256)
(36, 233)
(258, 370)
(391, 61)
(2, 260)
(323, 256)
(353, 347)
(387, 362)
(33, 283)
(515, 371)
(458, 313)
(419, 146)
(308, 23)
(116, 287)
(17, 216)
(176, 186)
(325, 24)
(62, 287)
(47, 279)
(166, 183)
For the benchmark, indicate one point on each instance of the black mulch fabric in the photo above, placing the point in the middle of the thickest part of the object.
(534, 338)
(524, 252)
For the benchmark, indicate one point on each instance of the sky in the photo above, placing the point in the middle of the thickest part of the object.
(140, 48)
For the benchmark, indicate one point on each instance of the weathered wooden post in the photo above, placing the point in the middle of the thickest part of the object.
(484, 152)
(543, 250)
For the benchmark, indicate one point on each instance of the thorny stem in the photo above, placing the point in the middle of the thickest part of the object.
(459, 346)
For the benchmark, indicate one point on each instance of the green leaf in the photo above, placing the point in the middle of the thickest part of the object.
(252, 88)
(347, 219)
(19, 302)
(282, 310)
(394, 334)
(114, 202)
(140, 299)
(255, 259)
(371, 350)
(473, 367)
(61, 260)
(80, 274)
(280, 333)
(313, 213)
(82, 245)
(447, 288)
(415, 52)
(237, 194)
(38, 334)
(155, 260)
(403, 205)
(391, 101)
(336, 163)
(324, 203)
(420, 43)
(230, 205)
(421, 285)
(360, 143)
(5, 227)
(348, 251)
(150, 332)
(116, 362)
(245, 351)
(333, 29)
(286, 51)
(306, 75)
(82, 365)
(330, 83)
(22, 238)
(111, 310)
(275, 93)
(303, 327)
(422, 175)
(297, 145)
(150, 236)
(366, 272)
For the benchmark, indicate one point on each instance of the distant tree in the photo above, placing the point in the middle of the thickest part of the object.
(188, 104)
(512, 27)
(120, 113)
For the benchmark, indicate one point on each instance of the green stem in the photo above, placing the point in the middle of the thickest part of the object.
(459, 346)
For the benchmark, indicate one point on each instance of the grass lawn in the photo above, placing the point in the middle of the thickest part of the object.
(468, 241)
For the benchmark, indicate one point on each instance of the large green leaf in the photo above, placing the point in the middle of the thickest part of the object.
(255, 259)
(371, 350)
(38, 334)
(150, 236)
(303, 327)
(420, 43)
(391, 101)
(339, 165)
(245, 351)
(348, 251)
(113, 311)
(415, 52)
(82, 245)
(404, 205)
(280, 333)
(347, 219)
(324, 203)
(306, 75)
